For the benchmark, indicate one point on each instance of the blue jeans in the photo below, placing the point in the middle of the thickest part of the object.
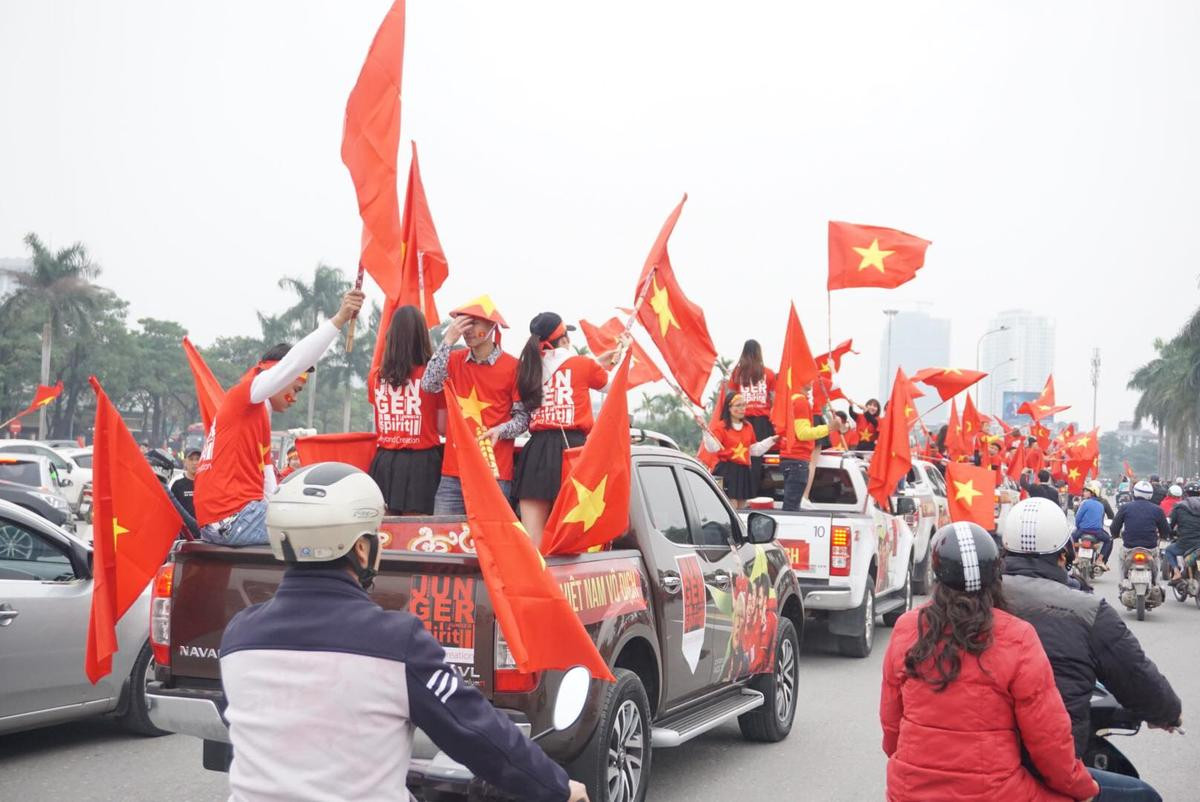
(248, 527)
(449, 500)
(1171, 555)
(795, 478)
(1119, 788)
(1106, 542)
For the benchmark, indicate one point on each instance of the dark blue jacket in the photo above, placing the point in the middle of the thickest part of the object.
(1141, 522)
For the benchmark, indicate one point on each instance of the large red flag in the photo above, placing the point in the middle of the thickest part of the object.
(871, 256)
(602, 339)
(676, 325)
(370, 146)
(796, 369)
(892, 458)
(424, 264)
(209, 392)
(592, 507)
(971, 492)
(134, 525)
(948, 382)
(540, 627)
(1086, 447)
(1077, 474)
(43, 396)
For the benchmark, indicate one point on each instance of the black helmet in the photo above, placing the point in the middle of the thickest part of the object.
(1191, 489)
(965, 557)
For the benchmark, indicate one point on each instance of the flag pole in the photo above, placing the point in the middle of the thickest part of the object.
(350, 329)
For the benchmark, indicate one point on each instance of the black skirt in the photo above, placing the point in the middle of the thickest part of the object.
(763, 428)
(540, 466)
(408, 478)
(736, 480)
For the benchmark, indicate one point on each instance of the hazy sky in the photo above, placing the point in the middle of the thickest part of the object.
(1049, 150)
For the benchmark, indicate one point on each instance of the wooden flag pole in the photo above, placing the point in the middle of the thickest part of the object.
(350, 329)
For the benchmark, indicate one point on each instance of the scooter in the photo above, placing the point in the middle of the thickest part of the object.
(1109, 717)
(1087, 548)
(1139, 587)
(1189, 583)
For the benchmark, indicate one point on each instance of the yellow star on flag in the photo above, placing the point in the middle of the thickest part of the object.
(590, 506)
(660, 302)
(1083, 441)
(872, 256)
(1073, 473)
(949, 371)
(472, 407)
(118, 530)
(739, 452)
(908, 411)
(826, 367)
(44, 402)
(965, 491)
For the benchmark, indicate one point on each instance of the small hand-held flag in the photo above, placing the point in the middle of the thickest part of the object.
(971, 492)
(44, 396)
(209, 392)
(955, 445)
(871, 256)
(892, 458)
(948, 382)
(797, 368)
(134, 526)
(605, 338)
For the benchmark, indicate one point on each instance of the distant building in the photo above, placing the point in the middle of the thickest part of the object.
(1130, 436)
(9, 270)
(916, 341)
(1017, 359)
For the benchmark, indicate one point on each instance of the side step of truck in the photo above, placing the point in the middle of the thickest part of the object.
(686, 726)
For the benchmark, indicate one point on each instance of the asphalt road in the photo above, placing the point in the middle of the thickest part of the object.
(833, 752)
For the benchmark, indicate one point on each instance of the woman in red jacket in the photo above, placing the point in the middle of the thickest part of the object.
(966, 686)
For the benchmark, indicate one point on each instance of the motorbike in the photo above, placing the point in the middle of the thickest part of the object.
(1189, 583)
(1139, 587)
(1109, 717)
(1087, 548)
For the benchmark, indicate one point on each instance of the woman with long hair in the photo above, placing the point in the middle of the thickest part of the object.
(756, 384)
(967, 689)
(554, 385)
(866, 421)
(408, 454)
(734, 441)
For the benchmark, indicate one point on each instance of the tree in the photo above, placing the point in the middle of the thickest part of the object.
(319, 299)
(1169, 399)
(163, 379)
(671, 415)
(59, 293)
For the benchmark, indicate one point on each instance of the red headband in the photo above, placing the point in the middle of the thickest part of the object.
(548, 342)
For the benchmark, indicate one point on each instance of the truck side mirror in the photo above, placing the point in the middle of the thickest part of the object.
(760, 528)
(904, 505)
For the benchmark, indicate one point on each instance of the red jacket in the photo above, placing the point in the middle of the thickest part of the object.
(964, 743)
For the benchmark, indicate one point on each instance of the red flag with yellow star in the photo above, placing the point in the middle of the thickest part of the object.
(955, 445)
(209, 392)
(948, 382)
(1077, 474)
(892, 458)
(423, 264)
(43, 396)
(971, 492)
(1043, 406)
(540, 627)
(134, 525)
(370, 147)
(1129, 474)
(592, 507)
(602, 339)
(1085, 447)
(1016, 461)
(709, 458)
(831, 361)
(676, 325)
(796, 369)
(872, 256)
(972, 424)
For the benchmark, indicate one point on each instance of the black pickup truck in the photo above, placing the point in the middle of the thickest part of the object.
(697, 612)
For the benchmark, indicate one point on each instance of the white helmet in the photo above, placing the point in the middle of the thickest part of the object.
(1035, 526)
(320, 512)
(1176, 491)
(1179, 481)
(1143, 489)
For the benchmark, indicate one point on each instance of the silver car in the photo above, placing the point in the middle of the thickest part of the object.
(45, 602)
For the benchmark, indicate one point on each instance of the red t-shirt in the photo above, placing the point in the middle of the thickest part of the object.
(406, 416)
(486, 394)
(803, 449)
(566, 400)
(735, 443)
(757, 395)
(867, 432)
(236, 453)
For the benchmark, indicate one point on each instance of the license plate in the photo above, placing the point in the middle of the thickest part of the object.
(1086, 552)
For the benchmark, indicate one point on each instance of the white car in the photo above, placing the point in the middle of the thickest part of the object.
(72, 476)
(39, 475)
(45, 602)
(926, 486)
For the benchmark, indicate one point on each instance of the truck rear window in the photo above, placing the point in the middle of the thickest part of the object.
(832, 486)
(22, 473)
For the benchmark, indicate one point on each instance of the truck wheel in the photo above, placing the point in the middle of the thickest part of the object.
(615, 764)
(890, 619)
(860, 645)
(773, 721)
(136, 718)
(923, 579)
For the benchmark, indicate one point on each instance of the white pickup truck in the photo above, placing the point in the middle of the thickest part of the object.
(927, 487)
(853, 560)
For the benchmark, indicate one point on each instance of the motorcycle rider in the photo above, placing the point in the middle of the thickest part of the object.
(1089, 519)
(1159, 488)
(1085, 639)
(1042, 488)
(1185, 523)
(1141, 522)
(325, 686)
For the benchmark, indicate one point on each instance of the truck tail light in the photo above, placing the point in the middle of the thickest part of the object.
(508, 678)
(160, 614)
(839, 551)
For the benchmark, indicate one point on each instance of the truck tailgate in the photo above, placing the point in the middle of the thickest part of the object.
(805, 537)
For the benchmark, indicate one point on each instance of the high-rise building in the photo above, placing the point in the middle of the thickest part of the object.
(912, 341)
(1018, 355)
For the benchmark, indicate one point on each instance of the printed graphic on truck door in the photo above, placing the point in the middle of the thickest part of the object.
(695, 608)
(755, 621)
(446, 606)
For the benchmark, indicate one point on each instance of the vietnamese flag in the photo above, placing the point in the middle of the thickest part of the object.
(1129, 474)
(209, 392)
(424, 267)
(824, 393)
(1042, 406)
(1086, 447)
(797, 368)
(831, 361)
(602, 339)
(956, 447)
(1041, 434)
(892, 458)
(540, 627)
(676, 325)
(709, 458)
(1016, 461)
(370, 147)
(592, 508)
(871, 256)
(971, 492)
(134, 526)
(43, 396)
(1077, 474)
(948, 382)
(972, 423)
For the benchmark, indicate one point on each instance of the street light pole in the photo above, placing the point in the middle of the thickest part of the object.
(1095, 382)
(978, 343)
(887, 376)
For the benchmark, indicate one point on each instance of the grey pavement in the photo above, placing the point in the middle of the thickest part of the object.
(833, 752)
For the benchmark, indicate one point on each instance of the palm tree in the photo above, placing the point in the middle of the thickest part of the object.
(320, 298)
(60, 292)
(1168, 385)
